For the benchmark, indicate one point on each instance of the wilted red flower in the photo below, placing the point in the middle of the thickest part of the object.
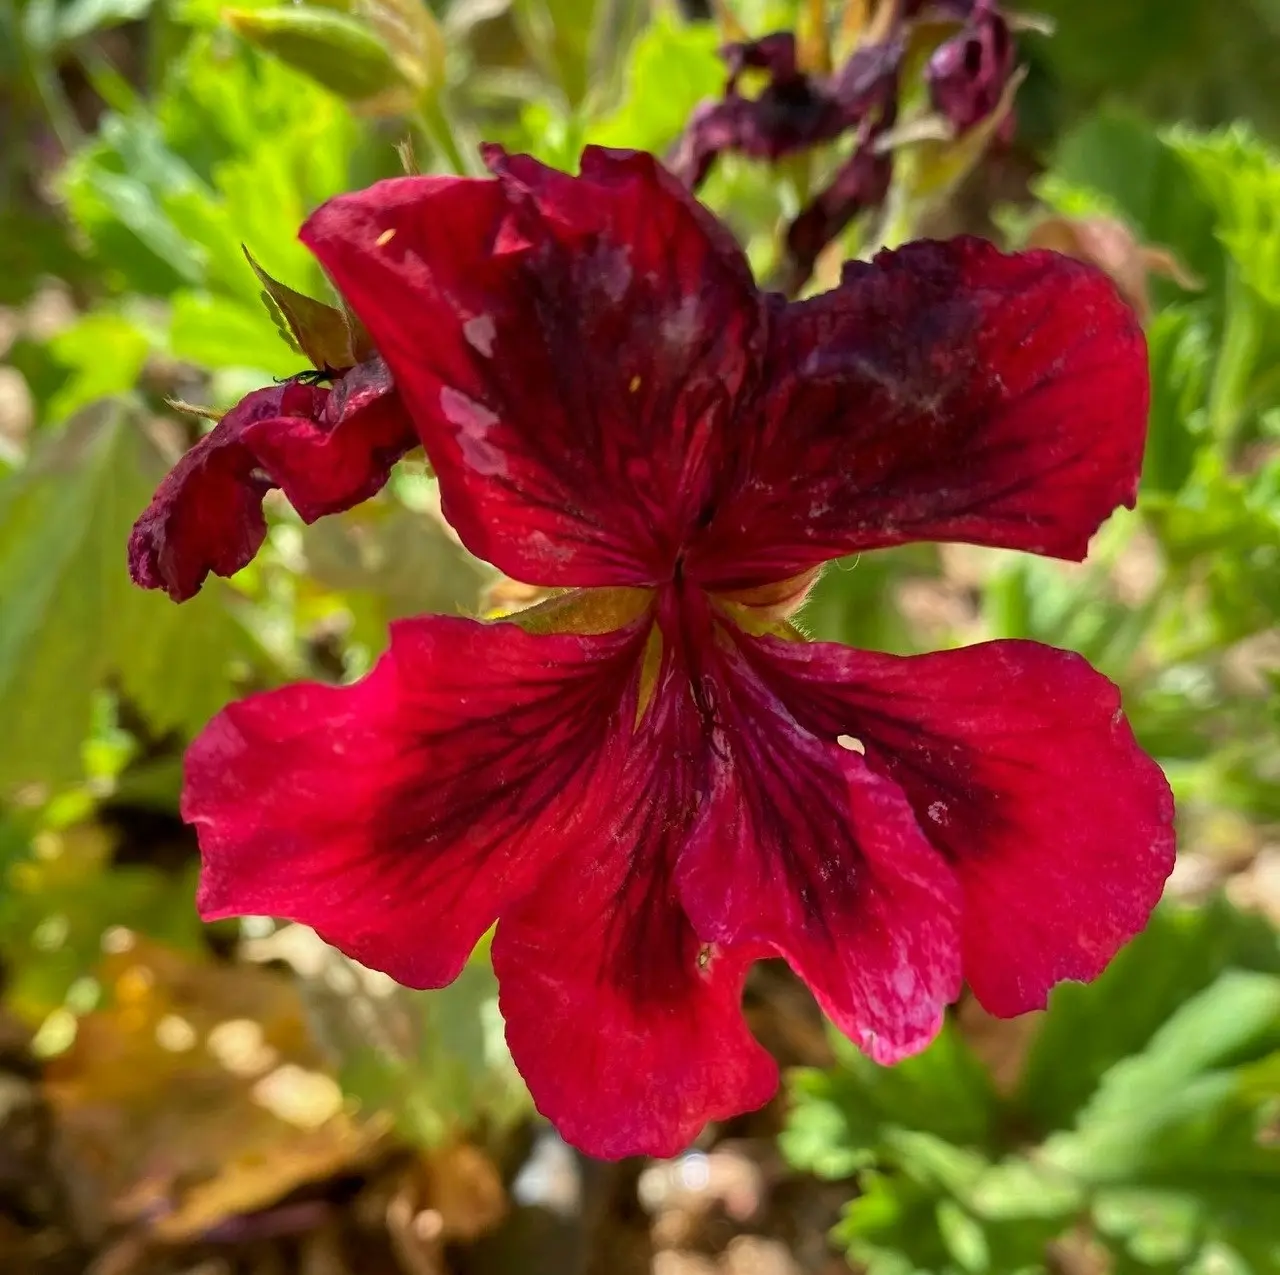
(651, 780)
(326, 449)
(967, 77)
(795, 111)
(968, 72)
(860, 183)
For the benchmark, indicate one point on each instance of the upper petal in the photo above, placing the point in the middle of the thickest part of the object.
(627, 1028)
(1023, 772)
(947, 391)
(397, 816)
(806, 852)
(570, 349)
(327, 449)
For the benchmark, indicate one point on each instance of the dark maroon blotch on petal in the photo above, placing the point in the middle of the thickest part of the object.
(1001, 399)
(860, 184)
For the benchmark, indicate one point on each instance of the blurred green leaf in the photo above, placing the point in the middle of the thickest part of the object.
(104, 352)
(671, 68)
(841, 1116)
(112, 188)
(56, 905)
(217, 332)
(1115, 154)
(436, 1061)
(1179, 343)
(72, 617)
(1240, 178)
(1180, 953)
(405, 560)
(81, 17)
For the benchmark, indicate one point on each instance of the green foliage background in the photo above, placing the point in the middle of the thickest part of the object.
(1146, 1113)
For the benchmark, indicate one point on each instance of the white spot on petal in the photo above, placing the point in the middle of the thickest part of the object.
(937, 812)
(904, 981)
(480, 332)
(681, 327)
(474, 421)
(612, 270)
(853, 745)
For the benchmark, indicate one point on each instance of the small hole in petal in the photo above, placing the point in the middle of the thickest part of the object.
(853, 745)
(386, 237)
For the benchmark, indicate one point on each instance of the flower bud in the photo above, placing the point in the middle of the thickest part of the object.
(336, 50)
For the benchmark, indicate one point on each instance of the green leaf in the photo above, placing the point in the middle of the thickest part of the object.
(112, 188)
(436, 1061)
(403, 559)
(55, 907)
(901, 1225)
(72, 617)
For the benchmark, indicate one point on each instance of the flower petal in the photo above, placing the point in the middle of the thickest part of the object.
(947, 391)
(327, 449)
(398, 815)
(1023, 772)
(342, 459)
(570, 349)
(804, 851)
(627, 1029)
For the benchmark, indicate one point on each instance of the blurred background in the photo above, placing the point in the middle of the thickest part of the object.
(239, 1099)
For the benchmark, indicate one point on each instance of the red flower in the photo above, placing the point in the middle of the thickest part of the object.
(326, 449)
(649, 782)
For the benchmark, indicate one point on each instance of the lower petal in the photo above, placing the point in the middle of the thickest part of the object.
(397, 816)
(1022, 770)
(806, 852)
(626, 1027)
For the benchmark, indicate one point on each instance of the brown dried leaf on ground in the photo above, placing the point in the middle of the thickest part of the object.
(195, 1095)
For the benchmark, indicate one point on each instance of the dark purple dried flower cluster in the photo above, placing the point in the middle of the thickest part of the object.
(966, 76)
